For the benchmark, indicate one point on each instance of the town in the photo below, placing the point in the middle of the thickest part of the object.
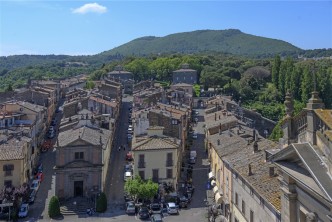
(127, 150)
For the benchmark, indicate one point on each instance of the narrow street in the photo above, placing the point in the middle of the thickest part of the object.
(116, 168)
(201, 168)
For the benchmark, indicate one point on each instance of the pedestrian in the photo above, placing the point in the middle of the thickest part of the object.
(124, 147)
(119, 148)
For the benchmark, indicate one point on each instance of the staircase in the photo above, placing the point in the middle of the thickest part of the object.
(70, 208)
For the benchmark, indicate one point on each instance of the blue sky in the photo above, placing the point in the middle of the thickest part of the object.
(90, 27)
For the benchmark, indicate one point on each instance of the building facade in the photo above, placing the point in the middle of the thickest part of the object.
(185, 75)
(156, 157)
(82, 160)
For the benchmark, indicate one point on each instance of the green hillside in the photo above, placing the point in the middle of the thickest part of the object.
(231, 41)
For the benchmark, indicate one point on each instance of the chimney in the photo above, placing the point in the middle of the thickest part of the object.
(218, 142)
(101, 142)
(249, 170)
(238, 132)
(215, 116)
(254, 134)
(271, 171)
(255, 147)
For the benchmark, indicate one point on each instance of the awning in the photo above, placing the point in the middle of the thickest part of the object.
(218, 198)
(213, 182)
(215, 189)
(211, 175)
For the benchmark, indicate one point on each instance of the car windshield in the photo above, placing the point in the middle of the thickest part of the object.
(144, 209)
(155, 207)
(23, 209)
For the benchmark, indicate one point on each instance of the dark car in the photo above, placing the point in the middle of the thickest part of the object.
(155, 208)
(32, 196)
(143, 213)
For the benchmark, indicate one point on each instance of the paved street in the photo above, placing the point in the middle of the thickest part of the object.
(117, 162)
(201, 168)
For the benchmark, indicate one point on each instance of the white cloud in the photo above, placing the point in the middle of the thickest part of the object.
(90, 7)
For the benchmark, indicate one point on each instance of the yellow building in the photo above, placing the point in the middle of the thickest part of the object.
(156, 157)
(14, 161)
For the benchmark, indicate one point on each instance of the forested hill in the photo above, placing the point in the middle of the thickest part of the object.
(231, 41)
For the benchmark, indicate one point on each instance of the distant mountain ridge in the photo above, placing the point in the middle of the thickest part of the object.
(231, 41)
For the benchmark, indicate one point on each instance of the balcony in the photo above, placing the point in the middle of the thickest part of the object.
(169, 163)
(141, 164)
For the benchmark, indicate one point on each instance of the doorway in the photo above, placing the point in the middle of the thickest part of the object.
(78, 188)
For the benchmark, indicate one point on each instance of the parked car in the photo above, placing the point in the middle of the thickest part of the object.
(183, 202)
(128, 176)
(32, 196)
(39, 176)
(194, 135)
(130, 207)
(155, 208)
(143, 213)
(130, 137)
(24, 209)
(51, 134)
(35, 185)
(129, 156)
(196, 112)
(128, 168)
(171, 208)
(192, 160)
(156, 218)
(53, 122)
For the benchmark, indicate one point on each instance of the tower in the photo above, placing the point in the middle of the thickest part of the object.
(287, 123)
(312, 120)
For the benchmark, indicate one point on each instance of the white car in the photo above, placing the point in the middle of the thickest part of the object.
(128, 176)
(171, 208)
(24, 209)
(194, 135)
(35, 185)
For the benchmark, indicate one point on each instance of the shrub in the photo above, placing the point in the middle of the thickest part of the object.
(54, 207)
(101, 203)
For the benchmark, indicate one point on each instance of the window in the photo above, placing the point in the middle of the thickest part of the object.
(79, 155)
(141, 161)
(236, 199)
(169, 160)
(8, 183)
(243, 207)
(251, 216)
(155, 175)
(141, 173)
(169, 173)
(8, 169)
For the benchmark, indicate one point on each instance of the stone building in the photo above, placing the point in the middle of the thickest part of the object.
(148, 97)
(245, 186)
(305, 163)
(111, 89)
(185, 75)
(157, 157)
(82, 160)
(125, 77)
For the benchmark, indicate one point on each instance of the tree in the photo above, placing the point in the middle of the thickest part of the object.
(89, 84)
(282, 79)
(9, 88)
(275, 70)
(306, 84)
(54, 207)
(101, 203)
(137, 188)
